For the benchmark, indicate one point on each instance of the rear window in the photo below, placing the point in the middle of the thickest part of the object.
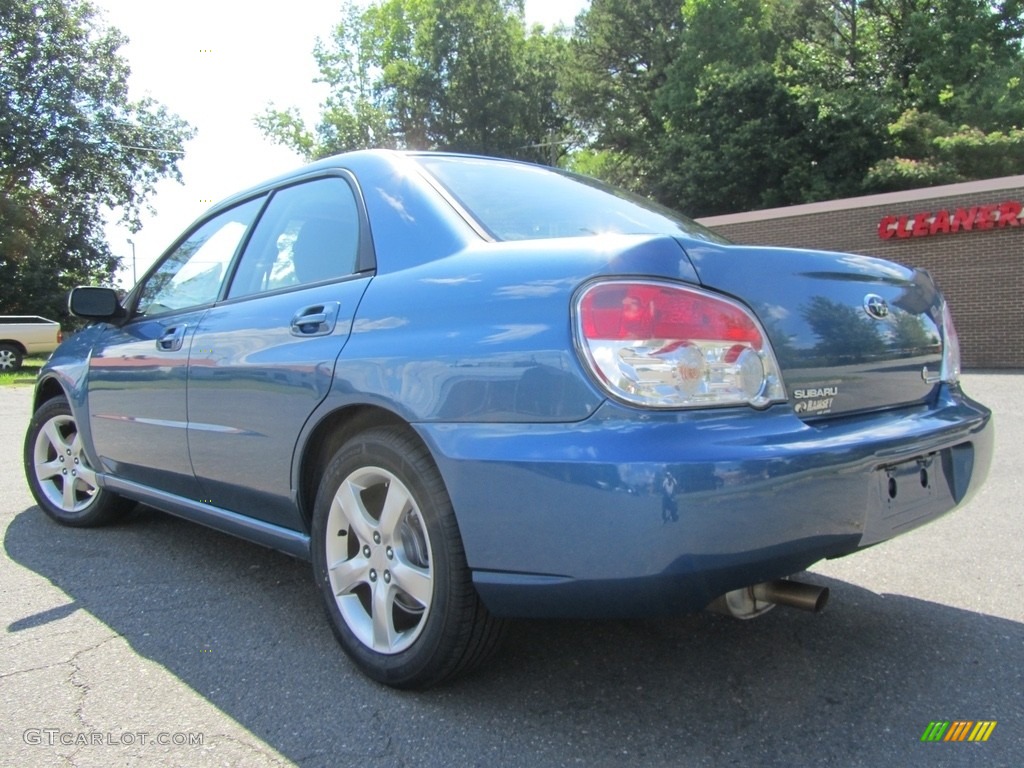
(519, 201)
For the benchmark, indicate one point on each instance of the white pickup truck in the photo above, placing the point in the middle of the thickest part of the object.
(22, 335)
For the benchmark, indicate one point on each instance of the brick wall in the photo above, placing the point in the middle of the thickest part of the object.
(981, 272)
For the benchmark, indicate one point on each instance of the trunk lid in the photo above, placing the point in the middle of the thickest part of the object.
(851, 333)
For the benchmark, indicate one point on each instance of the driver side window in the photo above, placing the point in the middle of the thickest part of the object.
(193, 273)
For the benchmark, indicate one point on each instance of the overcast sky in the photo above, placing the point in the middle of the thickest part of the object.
(217, 63)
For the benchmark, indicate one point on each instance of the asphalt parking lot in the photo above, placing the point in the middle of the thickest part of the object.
(157, 642)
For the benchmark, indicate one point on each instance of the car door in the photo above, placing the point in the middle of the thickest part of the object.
(264, 358)
(138, 370)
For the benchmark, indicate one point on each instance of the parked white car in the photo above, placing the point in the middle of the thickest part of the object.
(22, 335)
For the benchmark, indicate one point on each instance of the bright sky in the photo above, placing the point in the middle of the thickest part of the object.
(217, 63)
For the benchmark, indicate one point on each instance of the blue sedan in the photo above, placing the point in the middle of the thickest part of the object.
(470, 389)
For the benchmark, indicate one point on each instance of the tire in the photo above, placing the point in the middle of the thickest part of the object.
(389, 561)
(59, 474)
(10, 358)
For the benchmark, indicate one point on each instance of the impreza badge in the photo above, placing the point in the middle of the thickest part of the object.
(816, 400)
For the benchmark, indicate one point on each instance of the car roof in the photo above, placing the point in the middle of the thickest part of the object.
(356, 161)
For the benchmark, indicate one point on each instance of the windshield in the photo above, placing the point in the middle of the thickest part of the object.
(519, 201)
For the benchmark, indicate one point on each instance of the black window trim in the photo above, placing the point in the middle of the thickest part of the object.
(365, 255)
(131, 302)
(366, 261)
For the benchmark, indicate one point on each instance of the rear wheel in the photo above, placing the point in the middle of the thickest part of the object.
(10, 358)
(59, 473)
(389, 561)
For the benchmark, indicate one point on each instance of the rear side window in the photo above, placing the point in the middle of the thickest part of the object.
(309, 233)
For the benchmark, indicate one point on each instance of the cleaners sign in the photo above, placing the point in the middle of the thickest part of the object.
(945, 222)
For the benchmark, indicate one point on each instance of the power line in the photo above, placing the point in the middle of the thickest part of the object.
(152, 148)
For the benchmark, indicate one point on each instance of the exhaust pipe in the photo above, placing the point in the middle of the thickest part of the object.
(806, 597)
(750, 602)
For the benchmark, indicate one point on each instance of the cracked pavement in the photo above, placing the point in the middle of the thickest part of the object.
(157, 626)
(69, 678)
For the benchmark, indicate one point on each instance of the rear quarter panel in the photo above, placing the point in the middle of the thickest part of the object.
(485, 335)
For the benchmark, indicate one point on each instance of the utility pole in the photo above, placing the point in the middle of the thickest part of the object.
(135, 277)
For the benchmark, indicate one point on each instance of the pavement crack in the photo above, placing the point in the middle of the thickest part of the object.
(78, 680)
(30, 670)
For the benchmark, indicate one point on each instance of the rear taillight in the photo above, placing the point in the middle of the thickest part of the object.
(663, 345)
(950, 348)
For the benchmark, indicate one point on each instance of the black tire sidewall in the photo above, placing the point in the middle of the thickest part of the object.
(428, 658)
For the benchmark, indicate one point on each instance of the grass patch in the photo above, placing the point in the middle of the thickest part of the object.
(26, 375)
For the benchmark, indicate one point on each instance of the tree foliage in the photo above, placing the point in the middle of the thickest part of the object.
(432, 74)
(72, 145)
(723, 105)
(621, 54)
(711, 106)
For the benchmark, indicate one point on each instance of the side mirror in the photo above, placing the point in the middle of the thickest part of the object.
(95, 303)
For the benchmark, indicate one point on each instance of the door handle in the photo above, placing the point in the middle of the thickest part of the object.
(172, 338)
(316, 319)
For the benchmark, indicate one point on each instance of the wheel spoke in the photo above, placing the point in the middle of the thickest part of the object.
(349, 506)
(346, 575)
(384, 634)
(395, 503)
(415, 582)
(69, 498)
(87, 478)
(54, 436)
(47, 469)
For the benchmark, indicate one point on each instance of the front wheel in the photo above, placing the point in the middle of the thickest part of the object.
(59, 473)
(389, 562)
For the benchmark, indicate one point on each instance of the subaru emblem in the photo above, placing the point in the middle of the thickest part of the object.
(876, 307)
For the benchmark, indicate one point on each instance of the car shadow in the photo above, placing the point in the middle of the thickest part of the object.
(243, 627)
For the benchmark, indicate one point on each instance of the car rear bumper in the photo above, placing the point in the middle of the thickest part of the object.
(635, 513)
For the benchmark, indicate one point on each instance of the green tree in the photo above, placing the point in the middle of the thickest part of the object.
(928, 151)
(936, 87)
(72, 145)
(735, 133)
(739, 144)
(433, 74)
(620, 58)
(716, 106)
(834, 67)
(706, 112)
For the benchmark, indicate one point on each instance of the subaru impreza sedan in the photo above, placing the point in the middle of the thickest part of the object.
(469, 390)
